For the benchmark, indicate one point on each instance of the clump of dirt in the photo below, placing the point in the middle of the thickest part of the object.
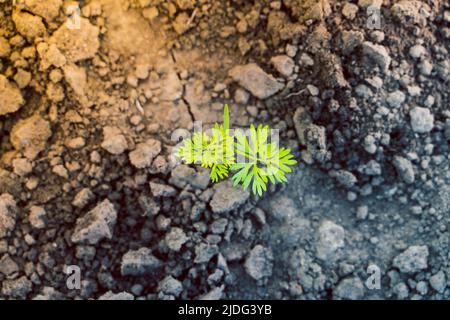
(94, 96)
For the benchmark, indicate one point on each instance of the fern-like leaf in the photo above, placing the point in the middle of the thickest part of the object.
(254, 159)
(266, 162)
(219, 172)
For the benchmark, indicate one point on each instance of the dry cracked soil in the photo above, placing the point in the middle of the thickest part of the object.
(95, 93)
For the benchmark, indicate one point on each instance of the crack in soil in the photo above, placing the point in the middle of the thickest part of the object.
(188, 105)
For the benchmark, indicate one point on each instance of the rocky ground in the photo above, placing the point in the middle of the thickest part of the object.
(91, 108)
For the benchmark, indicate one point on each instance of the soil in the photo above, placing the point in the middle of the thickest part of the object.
(95, 95)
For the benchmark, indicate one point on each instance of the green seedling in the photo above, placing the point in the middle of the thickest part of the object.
(250, 156)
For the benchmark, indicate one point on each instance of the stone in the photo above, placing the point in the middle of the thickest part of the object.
(48, 293)
(313, 90)
(443, 69)
(370, 3)
(411, 10)
(377, 36)
(294, 231)
(283, 64)
(86, 253)
(346, 178)
(302, 120)
(144, 3)
(149, 206)
(150, 13)
(22, 166)
(422, 288)
(51, 56)
(350, 289)
(422, 121)
(204, 252)
(426, 67)
(137, 289)
(418, 51)
(142, 71)
(162, 190)
(259, 263)
(37, 217)
(56, 76)
(10, 96)
(114, 141)
(241, 96)
(412, 260)
(30, 136)
(77, 44)
(76, 143)
(447, 16)
(22, 78)
(96, 225)
(170, 286)
(8, 183)
(8, 266)
(139, 263)
(60, 171)
(404, 169)
(213, 295)
(331, 238)
(186, 4)
(350, 10)
(8, 213)
(76, 78)
(181, 23)
(142, 157)
(377, 54)
(396, 99)
(244, 46)
(55, 92)
(401, 290)
(227, 198)
(219, 226)
(116, 296)
(255, 80)
(5, 48)
(438, 281)
(175, 239)
(28, 25)
(351, 40)
(82, 198)
(363, 91)
(183, 175)
(18, 288)
(48, 9)
(291, 50)
(309, 10)
(332, 71)
(316, 145)
(369, 144)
